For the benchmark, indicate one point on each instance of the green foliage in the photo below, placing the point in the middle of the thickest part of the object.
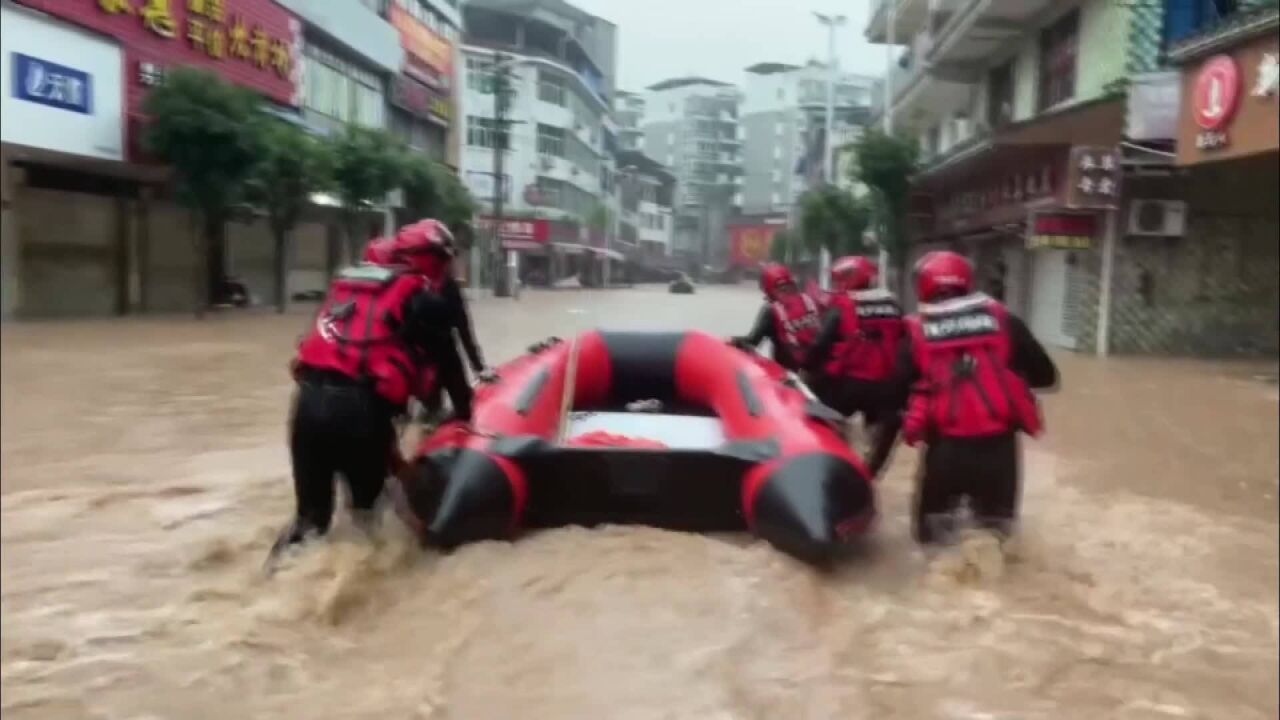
(833, 219)
(456, 208)
(205, 129)
(598, 218)
(421, 187)
(366, 166)
(292, 165)
(885, 164)
(781, 246)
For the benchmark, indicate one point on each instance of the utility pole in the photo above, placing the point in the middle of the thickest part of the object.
(501, 81)
(832, 23)
(888, 127)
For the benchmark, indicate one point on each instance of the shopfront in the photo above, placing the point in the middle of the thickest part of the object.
(90, 228)
(1229, 152)
(424, 91)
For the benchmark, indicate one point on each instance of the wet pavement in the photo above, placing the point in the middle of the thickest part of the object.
(144, 474)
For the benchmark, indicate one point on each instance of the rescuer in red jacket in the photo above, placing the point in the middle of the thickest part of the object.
(428, 246)
(970, 366)
(356, 369)
(853, 360)
(789, 319)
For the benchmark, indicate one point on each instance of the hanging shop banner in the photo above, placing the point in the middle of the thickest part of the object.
(1094, 176)
(1061, 231)
(428, 55)
(518, 233)
(253, 43)
(749, 244)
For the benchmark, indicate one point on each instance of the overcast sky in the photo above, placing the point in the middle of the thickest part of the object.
(659, 39)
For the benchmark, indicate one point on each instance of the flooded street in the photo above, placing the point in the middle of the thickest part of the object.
(145, 474)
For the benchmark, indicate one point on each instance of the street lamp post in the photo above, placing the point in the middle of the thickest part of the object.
(832, 23)
(888, 122)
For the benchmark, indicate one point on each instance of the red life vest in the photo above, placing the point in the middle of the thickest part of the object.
(870, 330)
(796, 319)
(962, 350)
(357, 331)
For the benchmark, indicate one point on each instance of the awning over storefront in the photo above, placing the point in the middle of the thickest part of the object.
(580, 249)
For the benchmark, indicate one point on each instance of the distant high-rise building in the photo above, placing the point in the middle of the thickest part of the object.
(691, 126)
(784, 125)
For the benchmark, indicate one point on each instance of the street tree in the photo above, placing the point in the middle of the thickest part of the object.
(203, 127)
(833, 219)
(456, 207)
(886, 164)
(293, 165)
(420, 184)
(367, 164)
(780, 246)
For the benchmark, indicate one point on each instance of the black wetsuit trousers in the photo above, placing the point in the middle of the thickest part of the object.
(876, 402)
(451, 378)
(338, 427)
(985, 471)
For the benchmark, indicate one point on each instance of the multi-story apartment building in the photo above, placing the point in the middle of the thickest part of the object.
(1048, 135)
(558, 167)
(646, 191)
(628, 112)
(691, 126)
(784, 126)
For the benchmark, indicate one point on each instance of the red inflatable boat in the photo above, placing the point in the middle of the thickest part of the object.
(674, 430)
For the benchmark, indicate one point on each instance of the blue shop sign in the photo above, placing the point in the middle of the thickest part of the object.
(48, 83)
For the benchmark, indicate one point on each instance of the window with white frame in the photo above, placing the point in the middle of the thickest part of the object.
(482, 132)
(551, 140)
(551, 88)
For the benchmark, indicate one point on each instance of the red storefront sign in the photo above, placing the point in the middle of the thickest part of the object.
(428, 55)
(749, 244)
(519, 234)
(1214, 100)
(420, 100)
(1062, 231)
(253, 43)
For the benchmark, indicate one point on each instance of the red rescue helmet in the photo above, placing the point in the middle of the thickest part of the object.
(775, 280)
(853, 272)
(426, 246)
(379, 251)
(943, 274)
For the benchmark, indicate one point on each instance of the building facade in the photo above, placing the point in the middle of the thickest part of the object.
(1049, 133)
(423, 95)
(784, 126)
(646, 192)
(1221, 294)
(691, 125)
(628, 113)
(558, 169)
(88, 224)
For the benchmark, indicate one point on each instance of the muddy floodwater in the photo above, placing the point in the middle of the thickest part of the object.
(145, 474)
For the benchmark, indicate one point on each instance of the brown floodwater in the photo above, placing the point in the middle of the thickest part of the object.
(144, 475)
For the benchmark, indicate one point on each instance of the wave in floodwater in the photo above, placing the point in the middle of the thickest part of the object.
(156, 605)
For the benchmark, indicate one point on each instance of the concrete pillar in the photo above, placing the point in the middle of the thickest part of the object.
(11, 178)
(142, 250)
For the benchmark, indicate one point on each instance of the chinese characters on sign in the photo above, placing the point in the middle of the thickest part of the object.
(48, 83)
(1214, 101)
(519, 234)
(1061, 231)
(1013, 189)
(209, 30)
(150, 74)
(1095, 177)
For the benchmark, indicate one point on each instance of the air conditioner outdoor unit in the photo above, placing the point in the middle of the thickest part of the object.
(573, 171)
(546, 163)
(1161, 218)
